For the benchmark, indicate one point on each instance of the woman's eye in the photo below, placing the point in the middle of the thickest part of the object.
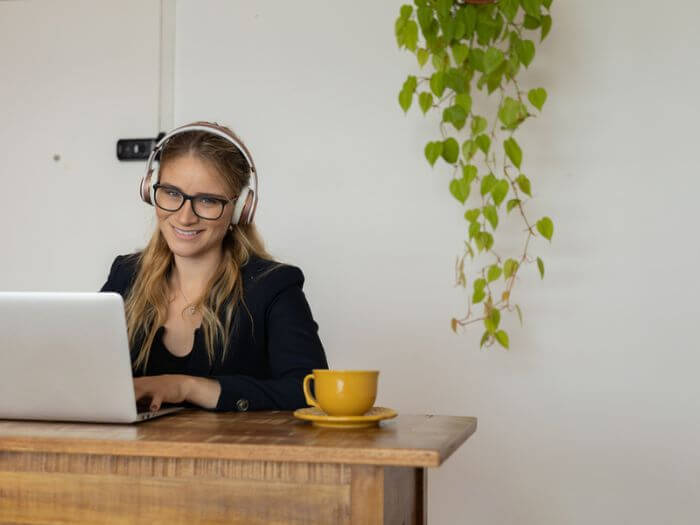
(207, 201)
(173, 193)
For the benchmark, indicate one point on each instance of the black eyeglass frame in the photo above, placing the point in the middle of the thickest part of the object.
(186, 197)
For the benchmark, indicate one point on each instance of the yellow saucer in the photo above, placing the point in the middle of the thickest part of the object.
(370, 418)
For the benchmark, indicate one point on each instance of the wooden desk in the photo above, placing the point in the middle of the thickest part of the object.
(199, 466)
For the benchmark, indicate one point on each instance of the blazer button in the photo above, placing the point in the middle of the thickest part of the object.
(242, 405)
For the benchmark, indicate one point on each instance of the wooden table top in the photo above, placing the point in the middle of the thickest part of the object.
(408, 440)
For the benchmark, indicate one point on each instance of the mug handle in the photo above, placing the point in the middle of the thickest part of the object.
(310, 400)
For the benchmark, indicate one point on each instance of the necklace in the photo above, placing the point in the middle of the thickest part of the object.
(191, 309)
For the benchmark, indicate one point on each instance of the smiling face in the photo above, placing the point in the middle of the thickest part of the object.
(187, 234)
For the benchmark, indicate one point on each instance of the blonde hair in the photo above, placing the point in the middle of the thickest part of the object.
(147, 302)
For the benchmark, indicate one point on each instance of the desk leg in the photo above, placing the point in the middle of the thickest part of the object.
(388, 495)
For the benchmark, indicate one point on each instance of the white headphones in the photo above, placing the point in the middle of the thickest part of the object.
(247, 201)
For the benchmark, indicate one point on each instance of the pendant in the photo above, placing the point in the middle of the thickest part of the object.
(191, 309)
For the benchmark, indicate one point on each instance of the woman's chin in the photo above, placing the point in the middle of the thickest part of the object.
(185, 248)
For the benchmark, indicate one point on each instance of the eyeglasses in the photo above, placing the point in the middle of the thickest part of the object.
(204, 206)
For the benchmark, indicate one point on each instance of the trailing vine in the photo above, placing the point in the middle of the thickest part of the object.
(479, 46)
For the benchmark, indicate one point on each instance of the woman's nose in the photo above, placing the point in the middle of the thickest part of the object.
(187, 214)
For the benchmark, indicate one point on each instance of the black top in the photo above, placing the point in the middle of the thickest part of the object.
(265, 363)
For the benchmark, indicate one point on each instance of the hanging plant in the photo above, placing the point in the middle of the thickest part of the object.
(480, 45)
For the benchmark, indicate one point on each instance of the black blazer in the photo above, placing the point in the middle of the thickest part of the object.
(266, 361)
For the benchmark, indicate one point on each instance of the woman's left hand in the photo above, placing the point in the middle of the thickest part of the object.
(167, 388)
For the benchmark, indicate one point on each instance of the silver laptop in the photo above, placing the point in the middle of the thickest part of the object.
(64, 356)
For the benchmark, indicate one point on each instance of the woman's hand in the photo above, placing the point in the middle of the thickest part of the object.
(167, 388)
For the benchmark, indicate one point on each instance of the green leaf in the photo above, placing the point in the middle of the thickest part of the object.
(490, 326)
(546, 26)
(459, 189)
(425, 18)
(540, 266)
(502, 338)
(520, 314)
(513, 151)
(425, 100)
(437, 83)
(547, 3)
(410, 35)
(509, 8)
(491, 215)
(479, 124)
(406, 11)
(476, 59)
(488, 182)
(495, 315)
(472, 215)
(484, 143)
(469, 148)
(459, 53)
(465, 101)
(460, 28)
(455, 80)
(493, 274)
(509, 268)
(492, 59)
(444, 6)
(399, 26)
(532, 7)
(486, 27)
(410, 83)
(441, 61)
(406, 94)
(537, 97)
(491, 322)
(405, 99)
(450, 150)
(546, 228)
(433, 151)
(499, 191)
(449, 26)
(469, 14)
(512, 203)
(512, 112)
(524, 184)
(422, 55)
(513, 65)
(484, 240)
(530, 22)
(469, 173)
(474, 229)
(493, 81)
(526, 51)
(456, 115)
(484, 338)
(479, 294)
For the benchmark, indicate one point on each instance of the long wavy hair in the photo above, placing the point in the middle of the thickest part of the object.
(147, 302)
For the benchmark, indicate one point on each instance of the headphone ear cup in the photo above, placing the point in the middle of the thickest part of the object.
(243, 207)
(145, 189)
(246, 215)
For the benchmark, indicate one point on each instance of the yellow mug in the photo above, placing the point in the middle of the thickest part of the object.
(342, 392)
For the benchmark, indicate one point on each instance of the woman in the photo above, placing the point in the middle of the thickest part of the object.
(212, 320)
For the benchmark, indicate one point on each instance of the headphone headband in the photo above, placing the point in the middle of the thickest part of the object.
(246, 203)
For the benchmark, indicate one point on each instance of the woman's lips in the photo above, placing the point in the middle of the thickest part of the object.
(186, 234)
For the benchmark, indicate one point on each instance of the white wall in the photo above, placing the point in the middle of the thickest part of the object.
(592, 417)
(77, 75)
